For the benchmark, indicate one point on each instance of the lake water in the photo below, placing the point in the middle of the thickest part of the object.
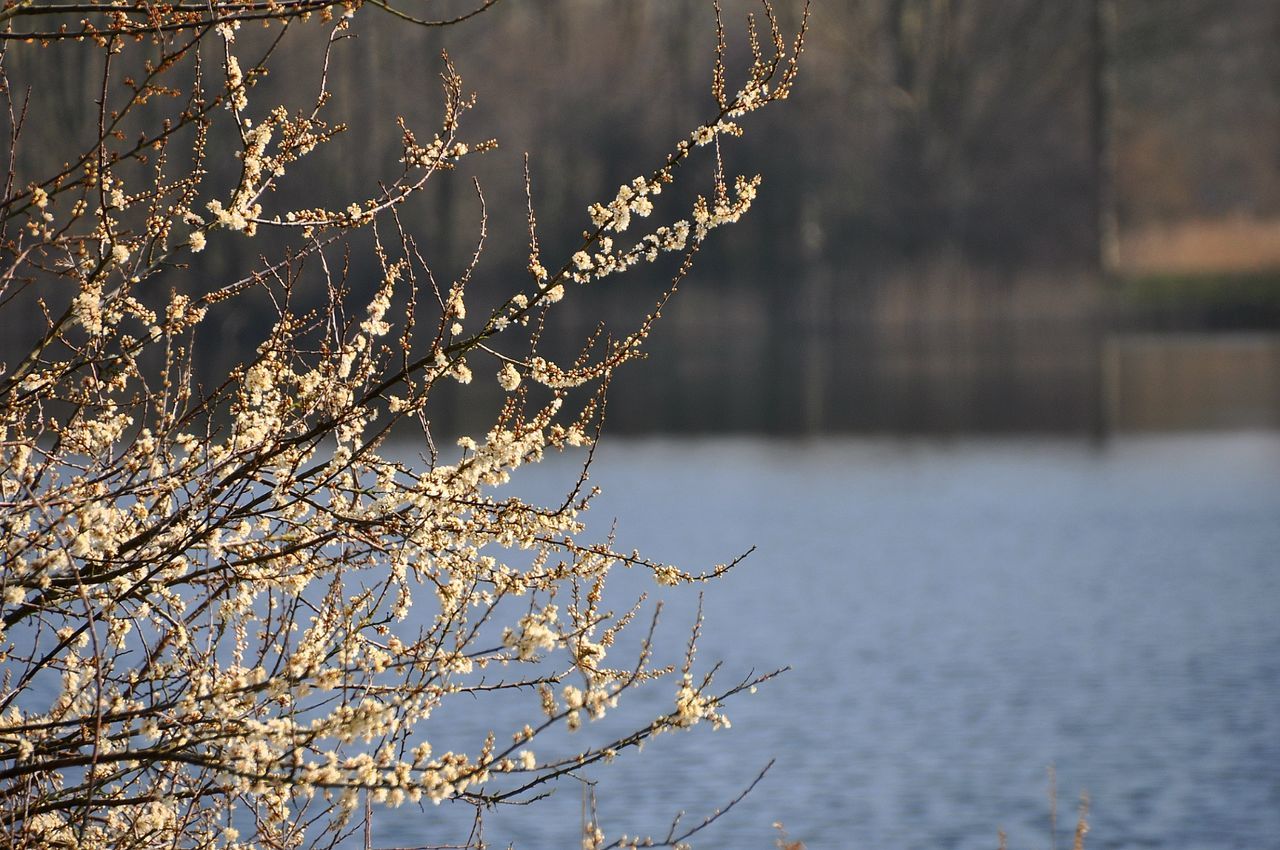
(958, 616)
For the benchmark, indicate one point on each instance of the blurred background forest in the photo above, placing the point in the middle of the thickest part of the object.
(977, 215)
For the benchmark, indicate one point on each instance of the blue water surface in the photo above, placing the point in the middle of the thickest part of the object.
(958, 617)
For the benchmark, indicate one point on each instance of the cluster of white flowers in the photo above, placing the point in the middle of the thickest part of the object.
(182, 313)
(535, 631)
(595, 701)
(509, 377)
(87, 306)
(244, 209)
(634, 197)
(376, 325)
(237, 98)
(707, 217)
(692, 705)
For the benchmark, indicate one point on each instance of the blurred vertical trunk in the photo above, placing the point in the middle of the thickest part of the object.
(1102, 26)
(1102, 29)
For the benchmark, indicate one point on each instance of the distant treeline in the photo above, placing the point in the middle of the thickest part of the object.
(943, 162)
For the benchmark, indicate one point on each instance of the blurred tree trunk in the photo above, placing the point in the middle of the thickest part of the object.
(1102, 28)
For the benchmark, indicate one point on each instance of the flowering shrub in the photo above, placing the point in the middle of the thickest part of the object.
(206, 590)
